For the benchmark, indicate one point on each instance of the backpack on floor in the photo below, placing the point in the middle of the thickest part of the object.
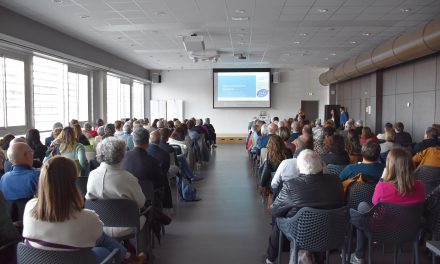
(186, 191)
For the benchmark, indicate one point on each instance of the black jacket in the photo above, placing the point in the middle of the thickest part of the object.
(424, 144)
(164, 158)
(143, 166)
(321, 191)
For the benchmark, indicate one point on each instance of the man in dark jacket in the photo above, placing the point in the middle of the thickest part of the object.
(139, 163)
(430, 140)
(164, 159)
(311, 188)
(403, 138)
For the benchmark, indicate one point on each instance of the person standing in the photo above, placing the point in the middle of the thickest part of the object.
(343, 117)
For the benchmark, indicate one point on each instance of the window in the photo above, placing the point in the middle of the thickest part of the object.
(137, 100)
(78, 97)
(12, 93)
(59, 95)
(118, 99)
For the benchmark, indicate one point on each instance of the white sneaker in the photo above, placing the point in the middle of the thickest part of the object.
(355, 260)
(269, 262)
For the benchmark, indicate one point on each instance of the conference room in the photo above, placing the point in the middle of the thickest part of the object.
(212, 119)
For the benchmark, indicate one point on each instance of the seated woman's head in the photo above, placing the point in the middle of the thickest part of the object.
(390, 135)
(399, 170)
(58, 195)
(284, 133)
(276, 149)
(111, 150)
(366, 132)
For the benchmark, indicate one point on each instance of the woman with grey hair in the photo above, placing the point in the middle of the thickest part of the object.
(109, 181)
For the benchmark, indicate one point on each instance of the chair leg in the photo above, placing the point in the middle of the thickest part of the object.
(395, 255)
(350, 237)
(433, 258)
(327, 257)
(370, 251)
(344, 259)
(295, 253)
(280, 246)
(416, 252)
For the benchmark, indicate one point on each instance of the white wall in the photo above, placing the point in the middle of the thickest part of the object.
(194, 87)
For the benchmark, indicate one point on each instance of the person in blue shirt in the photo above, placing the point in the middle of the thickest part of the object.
(56, 127)
(369, 166)
(126, 136)
(343, 117)
(22, 181)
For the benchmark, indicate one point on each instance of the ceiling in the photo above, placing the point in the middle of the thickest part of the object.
(278, 33)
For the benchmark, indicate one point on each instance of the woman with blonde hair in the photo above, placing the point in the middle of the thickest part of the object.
(56, 219)
(66, 145)
(398, 187)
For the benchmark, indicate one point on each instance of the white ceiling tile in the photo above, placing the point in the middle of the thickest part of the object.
(124, 6)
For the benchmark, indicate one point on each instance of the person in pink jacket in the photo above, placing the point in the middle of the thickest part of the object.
(398, 186)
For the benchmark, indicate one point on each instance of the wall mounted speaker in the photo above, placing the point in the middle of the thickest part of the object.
(276, 77)
(156, 77)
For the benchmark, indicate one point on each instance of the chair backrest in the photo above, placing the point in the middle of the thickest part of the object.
(16, 208)
(429, 175)
(263, 154)
(81, 182)
(316, 229)
(30, 255)
(177, 149)
(360, 192)
(116, 212)
(393, 223)
(335, 169)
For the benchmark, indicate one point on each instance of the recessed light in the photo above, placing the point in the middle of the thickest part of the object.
(332, 54)
(159, 13)
(366, 34)
(323, 10)
(325, 58)
(240, 18)
(405, 10)
(84, 16)
(296, 42)
(240, 11)
(57, 1)
(303, 34)
(353, 42)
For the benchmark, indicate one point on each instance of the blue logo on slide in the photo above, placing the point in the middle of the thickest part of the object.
(262, 92)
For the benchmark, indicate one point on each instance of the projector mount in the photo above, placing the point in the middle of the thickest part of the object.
(195, 48)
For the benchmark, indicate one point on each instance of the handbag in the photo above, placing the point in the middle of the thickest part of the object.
(358, 178)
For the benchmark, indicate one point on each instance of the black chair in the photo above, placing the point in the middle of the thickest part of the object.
(118, 213)
(358, 192)
(430, 176)
(16, 208)
(81, 182)
(30, 255)
(335, 169)
(390, 224)
(316, 230)
(8, 253)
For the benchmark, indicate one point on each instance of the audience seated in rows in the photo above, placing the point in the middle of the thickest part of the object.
(369, 167)
(79, 136)
(276, 153)
(66, 145)
(398, 187)
(163, 157)
(430, 140)
(381, 136)
(285, 134)
(311, 188)
(110, 181)
(56, 130)
(56, 219)
(390, 139)
(337, 154)
(22, 181)
(353, 146)
(367, 135)
(126, 136)
(403, 138)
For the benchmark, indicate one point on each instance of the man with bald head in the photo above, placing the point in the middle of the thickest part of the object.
(22, 181)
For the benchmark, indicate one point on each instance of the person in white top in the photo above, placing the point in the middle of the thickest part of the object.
(56, 219)
(109, 181)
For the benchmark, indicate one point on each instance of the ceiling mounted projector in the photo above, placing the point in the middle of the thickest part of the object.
(193, 43)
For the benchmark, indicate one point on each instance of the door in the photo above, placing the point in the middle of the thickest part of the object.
(310, 109)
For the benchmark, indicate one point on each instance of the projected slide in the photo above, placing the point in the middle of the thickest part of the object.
(243, 86)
